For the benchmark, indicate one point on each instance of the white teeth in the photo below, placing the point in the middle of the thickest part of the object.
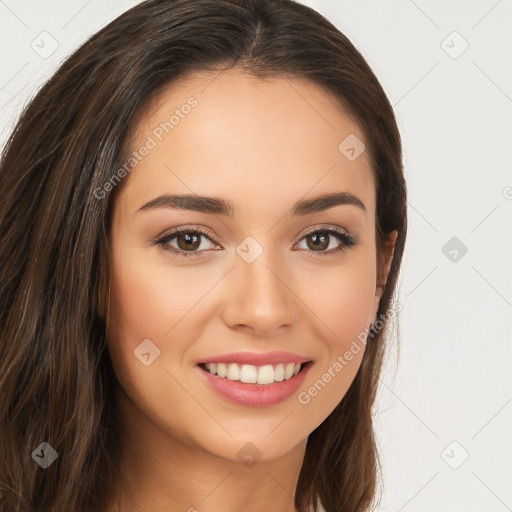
(248, 373)
(279, 372)
(233, 372)
(222, 370)
(267, 374)
(288, 371)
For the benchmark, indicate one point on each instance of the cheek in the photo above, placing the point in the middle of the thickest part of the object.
(155, 301)
(148, 303)
(143, 306)
(140, 303)
(343, 299)
(350, 306)
(147, 298)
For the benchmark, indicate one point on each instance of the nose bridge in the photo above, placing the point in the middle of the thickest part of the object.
(258, 297)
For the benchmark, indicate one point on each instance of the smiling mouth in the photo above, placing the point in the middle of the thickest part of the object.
(251, 374)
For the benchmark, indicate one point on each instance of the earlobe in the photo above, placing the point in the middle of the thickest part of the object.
(387, 259)
(389, 251)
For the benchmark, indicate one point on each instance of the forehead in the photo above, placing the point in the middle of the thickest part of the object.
(232, 134)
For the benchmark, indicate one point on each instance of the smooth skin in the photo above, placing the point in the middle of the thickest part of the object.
(263, 145)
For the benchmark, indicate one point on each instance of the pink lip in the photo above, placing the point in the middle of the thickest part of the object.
(256, 359)
(254, 395)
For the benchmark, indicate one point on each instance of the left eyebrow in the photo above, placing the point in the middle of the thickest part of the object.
(326, 201)
(218, 206)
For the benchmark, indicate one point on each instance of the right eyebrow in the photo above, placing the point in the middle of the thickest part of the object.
(191, 202)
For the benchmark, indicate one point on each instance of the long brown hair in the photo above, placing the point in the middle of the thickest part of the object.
(56, 379)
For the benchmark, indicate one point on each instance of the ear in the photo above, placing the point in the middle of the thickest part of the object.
(383, 268)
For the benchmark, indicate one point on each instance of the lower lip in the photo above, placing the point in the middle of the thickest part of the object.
(255, 395)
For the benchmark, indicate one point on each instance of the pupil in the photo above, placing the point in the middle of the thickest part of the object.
(321, 240)
(188, 240)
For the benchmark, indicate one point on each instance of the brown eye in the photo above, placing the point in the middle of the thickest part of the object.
(318, 241)
(327, 241)
(188, 242)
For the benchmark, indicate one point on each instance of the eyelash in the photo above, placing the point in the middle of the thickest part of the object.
(347, 240)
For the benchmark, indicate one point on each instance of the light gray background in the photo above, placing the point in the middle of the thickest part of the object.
(450, 394)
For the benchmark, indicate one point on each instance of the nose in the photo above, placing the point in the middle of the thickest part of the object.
(259, 297)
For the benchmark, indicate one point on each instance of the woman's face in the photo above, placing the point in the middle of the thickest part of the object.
(265, 275)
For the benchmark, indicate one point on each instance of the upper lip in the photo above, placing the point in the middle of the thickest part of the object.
(256, 359)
